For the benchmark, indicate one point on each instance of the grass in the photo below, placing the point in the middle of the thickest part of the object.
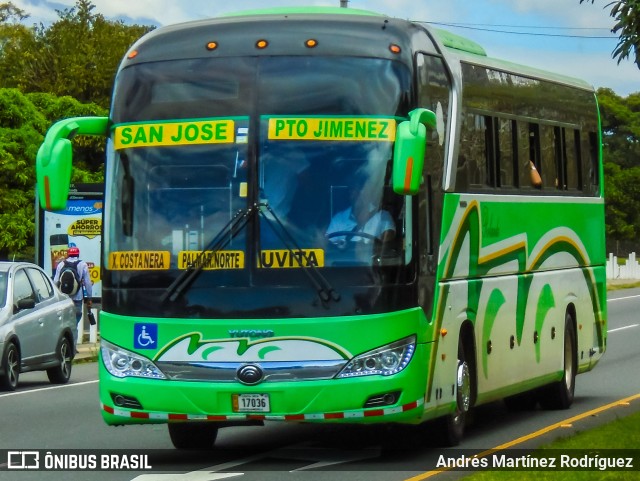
(623, 433)
(622, 285)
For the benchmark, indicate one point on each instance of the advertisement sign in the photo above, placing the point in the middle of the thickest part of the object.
(79, 225)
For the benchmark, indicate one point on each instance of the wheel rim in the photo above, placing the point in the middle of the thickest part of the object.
(65, 356)
(464, 387)
(12, 366)
(568, 361)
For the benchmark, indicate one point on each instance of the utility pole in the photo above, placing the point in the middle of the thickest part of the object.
(344, 3)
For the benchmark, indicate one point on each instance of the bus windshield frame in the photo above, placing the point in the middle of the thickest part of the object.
(196, 142)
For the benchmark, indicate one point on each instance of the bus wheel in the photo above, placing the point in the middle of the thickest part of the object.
(193, 435)
(559, 395)
(452, 427)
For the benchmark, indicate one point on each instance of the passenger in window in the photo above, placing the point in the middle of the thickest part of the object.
(536, 180)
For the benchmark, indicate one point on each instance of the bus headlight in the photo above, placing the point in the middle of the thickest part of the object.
(383, 361)
(122, 363)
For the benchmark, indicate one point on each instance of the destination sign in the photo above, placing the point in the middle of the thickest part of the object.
(218, 131)
(139, 260)
(211, 260)
(354, 129)
(291, 259)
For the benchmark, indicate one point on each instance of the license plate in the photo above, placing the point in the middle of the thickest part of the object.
(253, 403)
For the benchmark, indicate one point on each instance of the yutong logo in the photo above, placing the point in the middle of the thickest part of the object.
(251, 333)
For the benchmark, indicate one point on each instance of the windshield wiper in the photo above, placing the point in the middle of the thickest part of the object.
(325, 290)
(218, 243)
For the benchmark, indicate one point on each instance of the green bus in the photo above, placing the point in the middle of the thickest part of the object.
(328, 215)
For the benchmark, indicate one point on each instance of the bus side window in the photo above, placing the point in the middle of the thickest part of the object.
(594, 172)
(574, 160)
(547, 168)
(507, 160)
(535, 154)
(473, 150)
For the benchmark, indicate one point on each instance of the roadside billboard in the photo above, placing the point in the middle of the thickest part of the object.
(79, 225)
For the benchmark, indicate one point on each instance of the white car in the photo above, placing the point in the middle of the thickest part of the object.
(36, 325)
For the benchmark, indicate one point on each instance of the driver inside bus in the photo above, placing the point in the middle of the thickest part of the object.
(362, 222)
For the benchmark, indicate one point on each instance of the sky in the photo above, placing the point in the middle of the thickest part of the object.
(555, 35)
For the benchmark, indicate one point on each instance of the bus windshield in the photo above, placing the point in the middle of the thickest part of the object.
(308, 139)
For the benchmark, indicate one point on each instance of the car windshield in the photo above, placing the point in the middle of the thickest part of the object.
(197, 141)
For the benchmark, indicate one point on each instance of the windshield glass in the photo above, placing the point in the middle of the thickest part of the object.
(309, 139)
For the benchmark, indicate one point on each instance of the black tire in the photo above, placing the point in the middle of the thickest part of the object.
(559, 395)
(193, 435)
(62, 372)
(452, 426)
(11, 366)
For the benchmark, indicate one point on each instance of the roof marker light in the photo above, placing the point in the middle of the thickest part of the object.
(212, 45)
(262, 44)
(311, 43)
(395, 48)
(132, 54)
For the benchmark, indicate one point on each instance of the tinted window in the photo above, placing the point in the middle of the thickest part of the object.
(22, 288)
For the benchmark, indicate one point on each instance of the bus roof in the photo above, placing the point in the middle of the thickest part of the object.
(457, 47)
(303, 10)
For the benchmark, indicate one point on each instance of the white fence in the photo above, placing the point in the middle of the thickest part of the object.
(630, 269)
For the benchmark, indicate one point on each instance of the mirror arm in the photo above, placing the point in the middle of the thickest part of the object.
(421, 116)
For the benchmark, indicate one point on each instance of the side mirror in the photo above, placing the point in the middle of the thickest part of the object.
(54, 159)
(27, 303)
(409, 149)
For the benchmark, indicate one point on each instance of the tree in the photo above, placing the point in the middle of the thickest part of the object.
(24, 120)
(627, 16)
(621, 150)
(620, 127)
(78, 55)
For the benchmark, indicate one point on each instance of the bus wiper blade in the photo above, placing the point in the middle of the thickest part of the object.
(325, 290)
(218, 243)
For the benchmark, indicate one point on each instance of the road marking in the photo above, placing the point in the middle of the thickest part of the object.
(49, 388)
(622, 328)
(623, 298)
(193, 476)
(535, 434)
(316, 457)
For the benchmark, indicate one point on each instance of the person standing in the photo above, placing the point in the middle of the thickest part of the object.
(79, 288)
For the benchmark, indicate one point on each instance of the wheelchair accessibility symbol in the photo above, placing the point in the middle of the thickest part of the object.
(145, 336)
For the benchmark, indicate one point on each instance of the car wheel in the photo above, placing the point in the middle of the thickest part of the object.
(11, 363)
(193, 435)
(62, 372)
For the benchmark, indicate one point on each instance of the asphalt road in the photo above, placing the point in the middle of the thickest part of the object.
(39, 416)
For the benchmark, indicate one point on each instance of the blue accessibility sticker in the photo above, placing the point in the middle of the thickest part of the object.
(145, 336)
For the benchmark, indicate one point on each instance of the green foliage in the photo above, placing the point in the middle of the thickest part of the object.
(76, 56)
(621, 149)
(627, 16)
(24, 119)
(66, 70)
(21, 131)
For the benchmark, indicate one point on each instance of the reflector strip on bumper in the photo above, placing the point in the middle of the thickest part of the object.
(266, 417)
